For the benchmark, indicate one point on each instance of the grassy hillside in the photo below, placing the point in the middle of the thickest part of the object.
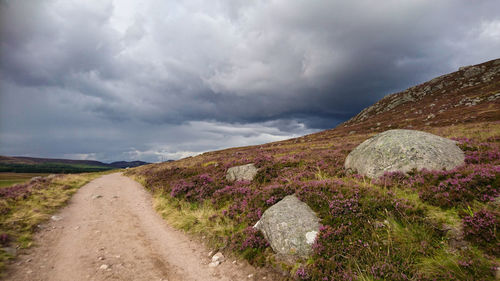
(439, 225)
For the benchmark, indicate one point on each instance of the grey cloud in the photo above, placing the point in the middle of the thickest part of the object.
(85, 69)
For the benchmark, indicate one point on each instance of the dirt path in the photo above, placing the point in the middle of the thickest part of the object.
(109, 231)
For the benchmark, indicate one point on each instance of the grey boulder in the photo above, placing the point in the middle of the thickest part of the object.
(290, 227)
(403, 150)
(243, 172)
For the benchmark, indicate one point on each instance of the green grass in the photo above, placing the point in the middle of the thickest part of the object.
(197, 219)
(51, 168)
(8, 179)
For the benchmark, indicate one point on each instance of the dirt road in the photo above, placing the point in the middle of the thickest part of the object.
(109, 231)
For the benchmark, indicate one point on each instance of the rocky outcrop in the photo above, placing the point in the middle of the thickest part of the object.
(290, 227)
(403, 150)
(243, 172)
(476, 82)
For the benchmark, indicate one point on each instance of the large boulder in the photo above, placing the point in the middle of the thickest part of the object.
(290, 227)
(403, 150)
(243, 172)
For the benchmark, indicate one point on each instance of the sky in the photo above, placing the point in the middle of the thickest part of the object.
(155, 80)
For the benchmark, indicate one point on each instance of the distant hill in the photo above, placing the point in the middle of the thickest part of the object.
(47, 165)
(125, 164)
(469, 95)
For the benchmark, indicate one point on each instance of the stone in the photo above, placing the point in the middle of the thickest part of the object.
(97, 196)
(56, 218)
(402, 151)
(104, 267)
(290, 227)
(218, 257)
(243, 172)
(473, 71)
(214, 264)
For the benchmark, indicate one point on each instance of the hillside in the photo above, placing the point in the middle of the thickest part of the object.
(47, 165)
(427, 225)
(471, 94)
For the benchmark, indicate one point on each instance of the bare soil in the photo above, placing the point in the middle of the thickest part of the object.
(109, 231)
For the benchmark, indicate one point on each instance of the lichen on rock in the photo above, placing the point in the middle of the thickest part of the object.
(243, 172)
(290, 227)
(401, 151)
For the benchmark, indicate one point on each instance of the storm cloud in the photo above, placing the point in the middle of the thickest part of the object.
(150, 80)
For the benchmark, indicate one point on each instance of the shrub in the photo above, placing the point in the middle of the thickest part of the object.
(482, 229)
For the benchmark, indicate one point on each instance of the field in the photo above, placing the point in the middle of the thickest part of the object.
(52, 168)
(8, 179)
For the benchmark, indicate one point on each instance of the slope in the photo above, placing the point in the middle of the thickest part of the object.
(422, 226)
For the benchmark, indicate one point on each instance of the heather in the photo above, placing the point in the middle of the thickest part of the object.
(425, 225)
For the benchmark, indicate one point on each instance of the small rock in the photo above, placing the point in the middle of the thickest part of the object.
(96, 196)
(29, 271)
(29, 260)
(218, 257)
(250, 276)
(214, 264)
(210, 253)
(104, 267)
(116, 196)
(101, 258)
(77, 227)
(56, 218)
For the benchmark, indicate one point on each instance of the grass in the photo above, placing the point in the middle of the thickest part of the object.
(8, 179)
(197, 219)
(193, 218)
(21, 214)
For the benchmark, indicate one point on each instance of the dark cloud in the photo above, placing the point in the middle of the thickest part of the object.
(124, 79)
